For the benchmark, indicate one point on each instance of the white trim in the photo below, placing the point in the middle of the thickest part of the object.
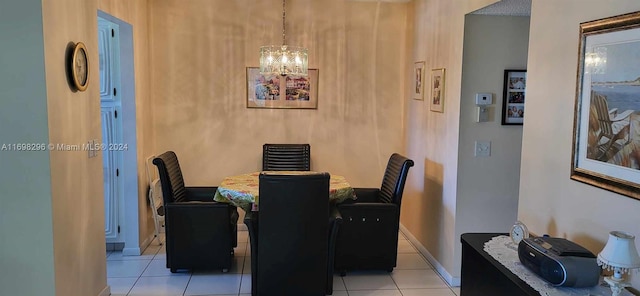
(451, 280)
(106, 291)
(131, 252)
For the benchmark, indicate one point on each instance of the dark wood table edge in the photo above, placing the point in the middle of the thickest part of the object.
(477, 241)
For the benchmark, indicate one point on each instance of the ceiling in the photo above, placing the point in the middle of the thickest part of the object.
(507, 7)
(504, 7)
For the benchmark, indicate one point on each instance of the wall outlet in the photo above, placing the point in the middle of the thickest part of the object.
(483, 149)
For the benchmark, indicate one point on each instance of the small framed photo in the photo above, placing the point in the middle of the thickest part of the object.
(418, 83)
(282, 92)
(513, 96)
(437, 90)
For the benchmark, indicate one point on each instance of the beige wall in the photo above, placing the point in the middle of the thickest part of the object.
(487, 199)
(199, 54)
(429, 207)
(549, 201)
(76, 180)
(136, 13)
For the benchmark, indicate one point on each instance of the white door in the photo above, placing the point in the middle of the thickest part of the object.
(111, 113)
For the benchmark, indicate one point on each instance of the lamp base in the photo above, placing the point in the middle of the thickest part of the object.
(616, 284)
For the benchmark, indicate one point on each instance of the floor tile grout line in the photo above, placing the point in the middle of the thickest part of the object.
(244, 268)
(427, 261)
(187, 285)
(432, 268)
(134, 284)
(242, 272)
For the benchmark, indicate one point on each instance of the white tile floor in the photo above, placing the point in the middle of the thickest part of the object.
(147, 275)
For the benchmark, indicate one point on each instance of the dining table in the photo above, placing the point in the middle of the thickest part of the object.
(243, 190)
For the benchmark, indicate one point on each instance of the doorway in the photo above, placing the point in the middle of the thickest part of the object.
(118, 110)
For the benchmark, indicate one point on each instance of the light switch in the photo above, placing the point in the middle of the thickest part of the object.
(483, 114)
(483, 149)
(90, 148)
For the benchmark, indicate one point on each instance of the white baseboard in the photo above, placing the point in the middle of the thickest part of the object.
(451, 280)
(106, 291)
(131, 251)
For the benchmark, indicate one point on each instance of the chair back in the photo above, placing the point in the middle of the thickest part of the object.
(155, 187)
(602, 110)
(293, 234)
(394, 178)
(286, 157)
(173, 189)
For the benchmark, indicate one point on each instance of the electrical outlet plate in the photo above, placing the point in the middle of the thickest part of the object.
(483, 149)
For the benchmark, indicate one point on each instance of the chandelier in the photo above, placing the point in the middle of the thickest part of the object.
(283, 59)
(595, 60)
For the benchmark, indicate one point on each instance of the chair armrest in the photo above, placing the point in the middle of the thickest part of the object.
(622, 116)
(334, 215)
(363, 195)
(200, 193)
(370, 210)
(251, 220)
(182, 216)
(180, 206)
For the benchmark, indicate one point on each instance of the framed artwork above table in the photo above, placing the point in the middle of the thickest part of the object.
(282, 92)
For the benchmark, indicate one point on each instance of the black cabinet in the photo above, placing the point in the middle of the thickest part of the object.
(482, 275)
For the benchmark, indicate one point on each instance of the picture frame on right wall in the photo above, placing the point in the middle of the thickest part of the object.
(513, 97)
(437, 90)
(606, 128)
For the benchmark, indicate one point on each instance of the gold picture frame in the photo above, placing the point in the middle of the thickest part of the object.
(606, 132)
(437, 90)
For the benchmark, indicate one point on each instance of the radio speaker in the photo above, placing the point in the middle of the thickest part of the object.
(559, 261)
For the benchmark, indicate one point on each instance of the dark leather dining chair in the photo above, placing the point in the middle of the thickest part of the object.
(200, 233)
(291, 236)
(368, 237)
(286, 157)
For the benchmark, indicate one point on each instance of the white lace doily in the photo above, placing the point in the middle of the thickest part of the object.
(505, 251)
